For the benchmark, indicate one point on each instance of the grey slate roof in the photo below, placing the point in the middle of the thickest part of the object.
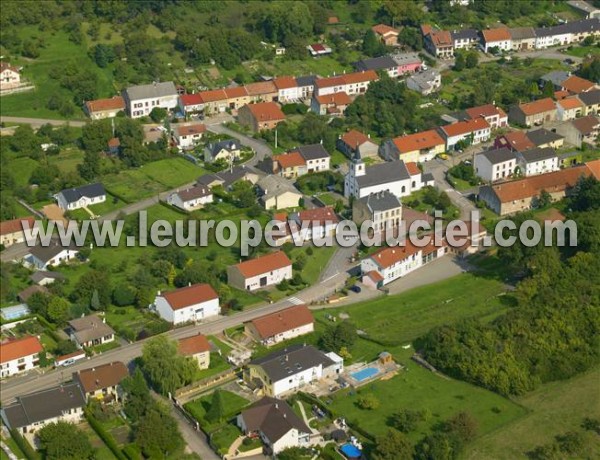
(521, 33)
(40, 275)
(313, 152)
(499, 155)
(556, 77)
(153, 90)
(90, 190)
(470, 34)
(227, 144)
(227, 177)
(45, 253)
(381, 201)
(274, 186)
(427, 177)
(376, 63)
(89, 327)
(44, 405)
(543, 136)
(307, 80)
(273, 417)
(573, 27)
(538, 154)
(383, 173)
(291, 360)
(590, 97)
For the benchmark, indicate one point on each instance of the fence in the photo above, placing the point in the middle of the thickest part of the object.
(188, 392)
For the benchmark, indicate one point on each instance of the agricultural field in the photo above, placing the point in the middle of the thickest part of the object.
(553, 409)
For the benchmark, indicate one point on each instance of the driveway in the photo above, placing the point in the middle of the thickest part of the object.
(438, 168)
(37, 122)
(259, 146)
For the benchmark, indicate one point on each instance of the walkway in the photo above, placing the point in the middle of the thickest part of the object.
(37, 122)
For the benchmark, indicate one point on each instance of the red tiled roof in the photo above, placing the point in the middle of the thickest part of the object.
(570, 103)
(333, 20)
(464, 127)
(193, 345)
(386, 257)
(418, 141)
(496, 35)
(99, 105)
(426, 29)
(266, 111)
(535, 107)
(488, 110)
(575, 84)
(382, 29)
(285, 82)
(213, 95)
(318, 215)
(528, 187)
(100, 377)
(289, 160)
(19, 348)
(375, 276)
(15, 225)
(317, 47)
(558, 95)
(191, 99)
(594, 167)
(114, 142)
(441, 38)
(190, 295)
(518, 140)
(340, 98)
(187, 129)
(6, 65)
(263, 264)
(283, 321)
(412, 168)
(354, 138)
(261, 87)
(238, 91)
(347, 79)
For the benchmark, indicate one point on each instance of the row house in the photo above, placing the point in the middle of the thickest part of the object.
(141, 99)
(352, 83)
(262, 91)
(533, 113)
(522, 38)
(260, 116)
(11, 231)
(418, 147)
(569, 108)
(465, 39)
(472, 132)
(540, 160)
(355, 143)
(302, 160)
(590, 101)
(577, 85)
(499, 38)
(287, 90)
(494, 165)
(581, 131)
(407, 63)
(495, 116)
(565, 34)
(100, 109)
(438, 42)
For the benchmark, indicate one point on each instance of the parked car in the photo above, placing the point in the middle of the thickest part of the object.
(355, 288)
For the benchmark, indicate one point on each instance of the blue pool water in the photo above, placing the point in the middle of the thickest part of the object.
(365, 373)
(350, 451)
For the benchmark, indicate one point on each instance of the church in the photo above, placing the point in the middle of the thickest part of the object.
(397, 177)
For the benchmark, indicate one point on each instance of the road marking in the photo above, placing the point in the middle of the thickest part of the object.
(295, 301)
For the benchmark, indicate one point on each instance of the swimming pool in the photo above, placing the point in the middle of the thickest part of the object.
(350, 451)
(365, 373)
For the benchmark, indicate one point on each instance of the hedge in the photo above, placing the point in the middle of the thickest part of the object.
(104, 435)
(25, 447)
(132, 452)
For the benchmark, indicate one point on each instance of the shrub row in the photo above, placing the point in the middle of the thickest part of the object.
(104, 435)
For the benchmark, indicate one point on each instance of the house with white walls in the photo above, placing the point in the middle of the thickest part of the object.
(19, 355)
(187, 304)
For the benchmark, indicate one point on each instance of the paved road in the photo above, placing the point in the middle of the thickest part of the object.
(37, 122)
(438, 169)
(260, 147)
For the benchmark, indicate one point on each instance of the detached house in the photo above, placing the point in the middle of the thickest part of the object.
(261, 116)
(496, 38)
(522, 38)
(493, 165)
(102, 382)
(288, 370)
(472, 132)
(187, 135)
(418, 147)
(276, 424)
(355, 143)
(533, 113)
(19, 355)
(282, 325)
(425, 82)
(105, 108)
(538, 161)
(11, 231)
(196, 347)
(187, 304)
(384, 209)
(89, 331)
(80, 197)
(261, 272)
(227, 150)
(141, 99)
(581, 131)
(42, 257)
(438, 42)
(10, 76)
(191, 198)
(33, 411)
(386, 34)
(577, 85)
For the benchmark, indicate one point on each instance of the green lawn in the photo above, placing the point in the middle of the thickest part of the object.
(102, 452)
(218, 363)
(419, 389)
(232, 405)
(554, 408)
(327, 198)
(67, 160)
(112, 203)
(224, 437)
(159, 176)
(583, 51)
(21, 169)
(315, 263)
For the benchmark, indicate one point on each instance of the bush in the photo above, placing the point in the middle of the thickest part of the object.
(368, 402)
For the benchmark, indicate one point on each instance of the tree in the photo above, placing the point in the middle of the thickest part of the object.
(58, 310)
(215, 412)
(367, 401)
(437, 446)
(406, 420)
(243, 194)
(95, 301)
(371, 46)
(464, 426)
(393, 446)
(165, 367)
(90, 168)
(158, 114)
(64, 441)
(472, 60)
(157, 434)
(90, 282)
(459, 61)
(138, 395)
(338, 336)
(123, 295)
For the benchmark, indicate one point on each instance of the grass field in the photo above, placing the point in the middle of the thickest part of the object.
(232, 405)
(134, 184)
(584, 51)
(555, 408)
(21, 169)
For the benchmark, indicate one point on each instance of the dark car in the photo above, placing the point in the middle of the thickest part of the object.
(355, 288)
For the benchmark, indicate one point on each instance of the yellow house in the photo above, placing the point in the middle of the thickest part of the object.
(198, 348)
